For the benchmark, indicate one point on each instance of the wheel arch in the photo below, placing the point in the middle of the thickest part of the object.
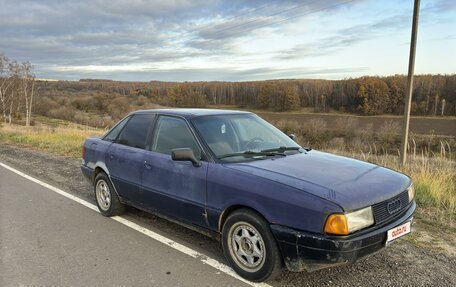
(102, 168)
(232, 208)
(97, 171)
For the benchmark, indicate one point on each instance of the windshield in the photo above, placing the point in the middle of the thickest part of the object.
(235, 137)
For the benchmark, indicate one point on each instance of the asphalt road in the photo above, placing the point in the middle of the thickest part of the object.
(49, 240)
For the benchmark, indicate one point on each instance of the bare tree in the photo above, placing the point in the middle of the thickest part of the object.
(14, 78)
(27, 81)
(5, 84)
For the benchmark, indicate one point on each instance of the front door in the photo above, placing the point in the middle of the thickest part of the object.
(176, 188)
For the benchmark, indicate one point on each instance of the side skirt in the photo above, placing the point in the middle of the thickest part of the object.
(202, 230)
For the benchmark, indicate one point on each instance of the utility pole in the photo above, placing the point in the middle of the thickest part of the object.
(411, 68)
(443, 107)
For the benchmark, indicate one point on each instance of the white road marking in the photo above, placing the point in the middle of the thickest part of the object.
(160, 238)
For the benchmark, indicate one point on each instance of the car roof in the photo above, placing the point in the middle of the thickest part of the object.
(190, 113)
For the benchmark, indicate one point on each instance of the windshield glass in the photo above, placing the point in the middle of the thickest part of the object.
(233, 137)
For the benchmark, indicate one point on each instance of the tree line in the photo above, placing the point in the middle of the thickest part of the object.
(102, 102)
(17, 87)
(433, 95)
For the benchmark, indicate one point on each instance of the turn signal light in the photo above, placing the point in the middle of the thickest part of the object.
(336, 224)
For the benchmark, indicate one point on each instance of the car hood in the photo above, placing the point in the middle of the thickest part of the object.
(350, 183)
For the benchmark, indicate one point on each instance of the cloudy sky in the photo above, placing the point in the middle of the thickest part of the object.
(192, 40)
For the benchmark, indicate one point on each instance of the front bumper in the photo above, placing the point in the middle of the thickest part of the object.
(309, 251)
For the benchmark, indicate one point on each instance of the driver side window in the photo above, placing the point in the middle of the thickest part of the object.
(171, 133)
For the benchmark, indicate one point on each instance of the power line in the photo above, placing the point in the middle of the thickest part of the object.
(206, 27)
(234, 28)
(261, 20)
(299, 15)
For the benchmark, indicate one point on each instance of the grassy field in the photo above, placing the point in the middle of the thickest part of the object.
(418, 125)
(53, 136)
(433, 173)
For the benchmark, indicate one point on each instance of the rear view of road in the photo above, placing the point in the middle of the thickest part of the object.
(49, 240)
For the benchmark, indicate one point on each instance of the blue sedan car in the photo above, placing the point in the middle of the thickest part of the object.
(230, 174)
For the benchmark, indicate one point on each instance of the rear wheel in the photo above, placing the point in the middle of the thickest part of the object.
(107, 200)
(250, 247)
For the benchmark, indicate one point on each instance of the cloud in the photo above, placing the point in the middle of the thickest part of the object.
(439, 6)
(345, 37)
(166, 39)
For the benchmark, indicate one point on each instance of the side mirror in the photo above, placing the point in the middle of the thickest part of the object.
(292, 136)
(185, 154)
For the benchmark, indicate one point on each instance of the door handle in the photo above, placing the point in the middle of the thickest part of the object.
(147, 165)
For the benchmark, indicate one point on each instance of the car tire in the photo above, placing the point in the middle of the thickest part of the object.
(107, 200)
(250, 247)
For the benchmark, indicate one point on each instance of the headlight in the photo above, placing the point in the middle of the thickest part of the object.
(411, 193)
(344, 224)
(359, 219)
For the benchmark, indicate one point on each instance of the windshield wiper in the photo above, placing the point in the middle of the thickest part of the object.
(250, 153)
(282, 149)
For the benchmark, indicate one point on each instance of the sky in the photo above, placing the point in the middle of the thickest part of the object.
(218, 40)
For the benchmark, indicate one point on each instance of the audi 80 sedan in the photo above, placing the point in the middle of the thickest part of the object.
(232, 175)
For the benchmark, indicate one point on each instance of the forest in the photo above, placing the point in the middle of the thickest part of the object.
(101, 102)
(433, 95)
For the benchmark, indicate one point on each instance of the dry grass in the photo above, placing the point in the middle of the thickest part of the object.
(61, 140)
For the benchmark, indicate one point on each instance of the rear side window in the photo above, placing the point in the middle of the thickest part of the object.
(171, 133)
(114, 132)
(135, 131)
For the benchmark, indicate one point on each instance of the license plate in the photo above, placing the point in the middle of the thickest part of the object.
(398, 231)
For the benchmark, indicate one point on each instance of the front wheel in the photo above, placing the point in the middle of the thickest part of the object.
(250, 247)
(107, 200)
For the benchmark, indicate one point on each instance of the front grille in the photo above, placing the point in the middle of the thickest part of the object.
(391, 208)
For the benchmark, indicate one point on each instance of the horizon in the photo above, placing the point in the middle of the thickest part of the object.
(241, 81)
(227, 41)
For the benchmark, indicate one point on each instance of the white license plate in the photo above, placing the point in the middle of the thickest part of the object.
(398, 231)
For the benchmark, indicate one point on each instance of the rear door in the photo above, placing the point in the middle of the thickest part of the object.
(125, 157)
(176, 188)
